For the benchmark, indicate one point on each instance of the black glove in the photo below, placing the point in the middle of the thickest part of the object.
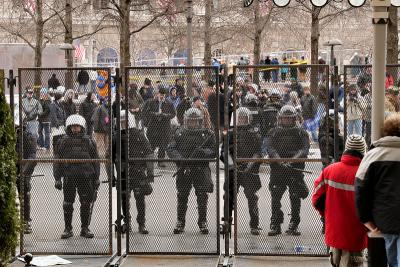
(96, 184)
(286, 165)
(150, 177)
(114, 181)
(58, 184)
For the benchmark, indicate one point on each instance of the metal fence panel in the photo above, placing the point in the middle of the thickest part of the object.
(173, 137)
(277, 155)
(80, 160)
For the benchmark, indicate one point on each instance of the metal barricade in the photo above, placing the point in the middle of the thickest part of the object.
(279, 143)
(64, 160)
(170, 146)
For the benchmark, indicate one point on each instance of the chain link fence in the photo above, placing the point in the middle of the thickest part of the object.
(64, 145)
(170, 167)
(356, 98)
(278, 146)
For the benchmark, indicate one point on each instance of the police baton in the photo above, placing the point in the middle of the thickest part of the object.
(37, 175)
(288, 166)
(107, 181)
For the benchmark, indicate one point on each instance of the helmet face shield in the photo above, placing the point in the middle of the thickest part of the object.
(193, 119)
(287, 117)
(243, 116)
(77, 122)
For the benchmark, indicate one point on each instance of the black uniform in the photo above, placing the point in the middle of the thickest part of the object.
(268, 118)
(199, 143)
(140, 174)
(290, 142)
(248, 146)
(157, 118)
(25, 171)
(81, 177)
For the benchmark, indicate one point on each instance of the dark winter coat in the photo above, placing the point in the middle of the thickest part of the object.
(83, 77)
(309, 106)
(158, 124)
(57, 114)
(101, 120)
(53, 82)
(45, 115)
(378, 186)
(87, 109)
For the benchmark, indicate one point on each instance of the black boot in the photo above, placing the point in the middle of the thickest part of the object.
(28, 228)
(255, 231)
(179, 228)
(292, 230)
(67, 233)
(68, 209)
(85, 232)
(85, 219)
(203, 228)
(275, 230)
(142, 229)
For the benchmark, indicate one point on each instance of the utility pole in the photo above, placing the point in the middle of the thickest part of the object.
(380, 17)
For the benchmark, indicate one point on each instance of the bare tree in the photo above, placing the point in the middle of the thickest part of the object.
(392, 37)
(129, 14)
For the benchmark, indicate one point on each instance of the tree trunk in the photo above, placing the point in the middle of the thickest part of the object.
(68, 40)
(257, 42)
(392, 42)
(39, 45)
(207, 33)
(314, 48)
(125, 37)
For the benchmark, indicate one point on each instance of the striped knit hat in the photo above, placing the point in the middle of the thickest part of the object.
(355, 142)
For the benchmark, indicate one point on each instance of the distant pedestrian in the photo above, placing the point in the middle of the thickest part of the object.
(53, 82)
(87, 109)
(333, 197)
(83, 80)
(378, 188)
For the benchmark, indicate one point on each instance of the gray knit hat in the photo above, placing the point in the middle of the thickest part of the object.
(355, 142)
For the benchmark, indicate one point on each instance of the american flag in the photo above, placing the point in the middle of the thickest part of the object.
(79, 51)
(30, 6)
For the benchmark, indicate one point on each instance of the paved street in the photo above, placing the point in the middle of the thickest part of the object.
(47, 220)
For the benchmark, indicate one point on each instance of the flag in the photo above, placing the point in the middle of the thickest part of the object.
(30, 6)
(79, 51)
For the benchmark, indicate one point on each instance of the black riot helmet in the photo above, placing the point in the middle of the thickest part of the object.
(287, 117)
(243, 116)
(251, 100)
(193, 119)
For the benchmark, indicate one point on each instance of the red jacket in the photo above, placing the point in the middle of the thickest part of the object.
(334, 198)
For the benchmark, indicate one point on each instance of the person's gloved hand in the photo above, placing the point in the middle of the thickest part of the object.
(96, 184)
(286, 165)
(58, 184)
(150, 177)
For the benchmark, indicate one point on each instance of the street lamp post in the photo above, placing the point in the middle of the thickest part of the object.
(68, 48)
(335, 85)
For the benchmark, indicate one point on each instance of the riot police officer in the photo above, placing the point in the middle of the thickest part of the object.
(252, 102)
(192, 141)
(82, 177)
(25, 171)
(287, 140)
(140, 174)
(268, 116)
(248, 142)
